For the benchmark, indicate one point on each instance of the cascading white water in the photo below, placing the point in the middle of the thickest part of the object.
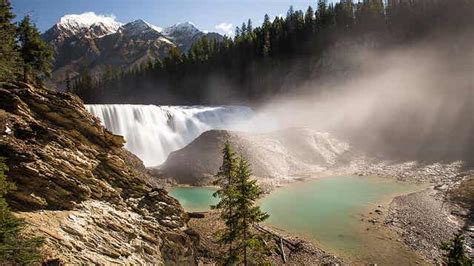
(153, 132)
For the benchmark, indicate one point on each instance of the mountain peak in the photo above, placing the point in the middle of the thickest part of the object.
(139, 26)
(179, 28)
(75, 23)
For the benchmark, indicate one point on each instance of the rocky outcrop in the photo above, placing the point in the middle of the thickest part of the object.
(77, 186)
(276, 156)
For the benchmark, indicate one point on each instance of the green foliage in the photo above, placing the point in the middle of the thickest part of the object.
(14, 247)
(247, 213)
(238, 195)
(225, 178)
(9, 58)
(36, 55)
(455, 254)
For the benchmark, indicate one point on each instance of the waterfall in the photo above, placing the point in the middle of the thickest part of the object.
(153, 132)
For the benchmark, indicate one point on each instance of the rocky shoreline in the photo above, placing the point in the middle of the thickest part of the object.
(425, 219)
(297, 251)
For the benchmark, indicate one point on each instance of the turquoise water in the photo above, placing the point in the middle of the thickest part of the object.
(328, 212)
(194, 198)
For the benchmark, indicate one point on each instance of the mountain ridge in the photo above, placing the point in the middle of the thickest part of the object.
(94, 43)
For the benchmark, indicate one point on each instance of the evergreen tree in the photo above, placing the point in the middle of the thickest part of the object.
(344, 14)
(15, 249)
(309, 19)
(455, 254)
(36, 55)
(238, 32)
(249, 26)
(173, 60)
(225, 178)
(68, 81)
(247, 214)
(9, 57)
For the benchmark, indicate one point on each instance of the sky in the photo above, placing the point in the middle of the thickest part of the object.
(220, 16)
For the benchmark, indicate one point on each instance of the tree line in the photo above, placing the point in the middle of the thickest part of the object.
(276, 57)
(23, 54)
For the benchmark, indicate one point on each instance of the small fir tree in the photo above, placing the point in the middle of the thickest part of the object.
(247, 213)
(455, 254)
(238, 194)
(225, 178)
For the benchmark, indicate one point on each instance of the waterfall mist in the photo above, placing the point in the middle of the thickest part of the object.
(409, 102)
(152, 132)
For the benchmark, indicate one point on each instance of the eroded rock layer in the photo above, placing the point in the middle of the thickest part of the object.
(77, 186)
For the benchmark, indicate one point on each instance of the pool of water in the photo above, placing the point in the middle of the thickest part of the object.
(327, 211)
(194, 198)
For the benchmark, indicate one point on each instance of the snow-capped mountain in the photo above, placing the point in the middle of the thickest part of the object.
(88, 23)
(183, 34)
(138, 27)
(76, 23)
(95, 42)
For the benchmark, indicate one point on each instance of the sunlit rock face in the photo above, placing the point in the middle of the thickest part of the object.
(280, 156)
(153, 132)
(77, 186)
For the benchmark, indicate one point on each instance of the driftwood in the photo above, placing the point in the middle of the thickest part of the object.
(292, 246)
(197, 215)
(281, 242)
(283, 257)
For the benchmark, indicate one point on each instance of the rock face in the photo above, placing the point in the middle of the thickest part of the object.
(92, 200)
(280, 155)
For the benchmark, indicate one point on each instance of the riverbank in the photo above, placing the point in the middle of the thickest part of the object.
(425, 219)
(297, 251)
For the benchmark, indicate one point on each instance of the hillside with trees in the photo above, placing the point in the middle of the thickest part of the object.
(277, 57)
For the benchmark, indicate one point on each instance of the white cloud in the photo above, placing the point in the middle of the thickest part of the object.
(226, 28)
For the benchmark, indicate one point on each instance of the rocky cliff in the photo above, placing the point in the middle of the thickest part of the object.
(91, 199)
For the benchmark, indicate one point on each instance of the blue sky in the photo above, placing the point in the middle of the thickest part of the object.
(210, 15)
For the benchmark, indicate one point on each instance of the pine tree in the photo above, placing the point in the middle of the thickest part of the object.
(247, 214)
(309, 20)
(249, 26)
(9, 57)
(68, 81)
(225, 178)
(15, 249)
(455, 254)
(36, 55)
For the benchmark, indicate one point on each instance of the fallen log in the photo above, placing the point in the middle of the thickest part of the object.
(197, 215)
(282, 249)
(290, 244)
